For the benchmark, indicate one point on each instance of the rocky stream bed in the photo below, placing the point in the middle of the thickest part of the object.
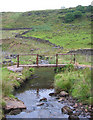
(38, 99)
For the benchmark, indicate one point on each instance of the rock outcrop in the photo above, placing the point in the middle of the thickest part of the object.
(66, 110)
(63, 94)
(43, 99)
(13, 104)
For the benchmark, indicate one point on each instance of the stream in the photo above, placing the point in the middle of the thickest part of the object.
(33, 90)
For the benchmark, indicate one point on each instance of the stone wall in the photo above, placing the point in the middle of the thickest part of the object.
(82, 51)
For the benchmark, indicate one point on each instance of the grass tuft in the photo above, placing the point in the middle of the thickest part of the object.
(77, 83)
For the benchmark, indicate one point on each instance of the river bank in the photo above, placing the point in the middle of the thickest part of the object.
(77, 82)
(12, 81)
(41, 86)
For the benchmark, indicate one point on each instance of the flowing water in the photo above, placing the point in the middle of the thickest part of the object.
(33, 90)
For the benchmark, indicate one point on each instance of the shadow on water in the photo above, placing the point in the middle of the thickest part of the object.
(42, 79)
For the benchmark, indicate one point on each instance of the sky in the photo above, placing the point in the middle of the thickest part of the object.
(29, 5)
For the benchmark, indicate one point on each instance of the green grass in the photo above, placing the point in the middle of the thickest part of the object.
(21, 46)
(76, 82)
(50, 25)
(65, 35)
(9, 80)
(80, 59)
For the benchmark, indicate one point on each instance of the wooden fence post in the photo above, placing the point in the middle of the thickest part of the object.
(56, 59)
(17, 61)
(37, 60)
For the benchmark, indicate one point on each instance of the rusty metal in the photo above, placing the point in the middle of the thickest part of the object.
(66, 54)
(17, 61)
(27, 54)
(74, 59)
(56, 59)
(37, 60)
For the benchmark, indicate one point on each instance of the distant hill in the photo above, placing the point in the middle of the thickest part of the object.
(70, 28)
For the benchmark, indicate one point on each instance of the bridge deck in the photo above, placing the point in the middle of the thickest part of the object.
(43, 65)
(54, 65)
(14, 68)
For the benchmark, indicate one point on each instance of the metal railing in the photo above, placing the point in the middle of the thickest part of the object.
(37, 58)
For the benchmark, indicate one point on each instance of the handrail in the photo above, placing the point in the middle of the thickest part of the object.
(35, 54)
(26, 54)
(39, 55)
(67, 54)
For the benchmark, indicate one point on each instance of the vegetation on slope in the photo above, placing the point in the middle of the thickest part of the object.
(21, 46)
(76, 82)
(57, 26)
(10, 81)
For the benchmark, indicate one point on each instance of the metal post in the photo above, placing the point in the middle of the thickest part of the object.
(71, 59)
(17, 61)
(74, 58)
(37, 60)
(56, 59)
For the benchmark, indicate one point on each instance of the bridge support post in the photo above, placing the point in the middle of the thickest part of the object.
(74, 58)
(17, 61)
(56, 60)
(37, 60)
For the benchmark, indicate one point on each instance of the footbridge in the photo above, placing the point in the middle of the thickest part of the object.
(37, 58)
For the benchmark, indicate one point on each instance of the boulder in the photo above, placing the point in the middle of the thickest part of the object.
(13, 104)
(18, 78)
(9, 61)
(7, 57)
(61, 99)
(63, 94)
(20, 74)
(76, 105)
(4, 62)
(14, 112)
(13, 56)
(66, 110)
(40, 104)
(57, 97)
(32, 50)
(76, 113)
(91, 114)
(73, 117)
(43, 99)
(52, 94)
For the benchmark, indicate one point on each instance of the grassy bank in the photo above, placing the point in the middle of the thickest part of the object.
(12, 80)
(76, 82)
